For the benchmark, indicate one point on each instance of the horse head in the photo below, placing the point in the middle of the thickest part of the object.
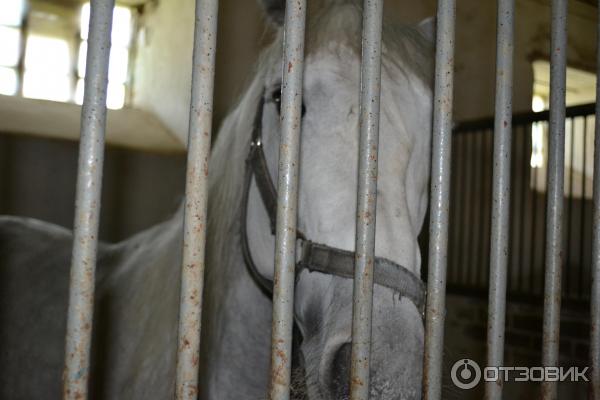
(327, 192)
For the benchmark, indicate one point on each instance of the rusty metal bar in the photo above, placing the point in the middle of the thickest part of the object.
(87, 204)
(196, 197)
(440, 196)
(554, 216)
(366, 199)
(501, 193)
(287, 200)
(595, 295)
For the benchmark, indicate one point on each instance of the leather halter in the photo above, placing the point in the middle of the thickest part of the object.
(315, 257)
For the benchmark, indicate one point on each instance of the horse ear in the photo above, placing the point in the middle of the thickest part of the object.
(427, 28)
(275, 9)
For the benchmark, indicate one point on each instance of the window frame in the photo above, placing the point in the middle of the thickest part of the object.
(74, 41)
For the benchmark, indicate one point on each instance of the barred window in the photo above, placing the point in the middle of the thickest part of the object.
(43, 49)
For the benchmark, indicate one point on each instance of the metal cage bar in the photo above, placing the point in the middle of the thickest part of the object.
(595, 294)
(196, 197)
(87, 204)
(362, 305)
(287, 200)
(501, 193)
(554, 216)
(440, 196)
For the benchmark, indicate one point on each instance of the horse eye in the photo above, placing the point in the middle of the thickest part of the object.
(276, 98)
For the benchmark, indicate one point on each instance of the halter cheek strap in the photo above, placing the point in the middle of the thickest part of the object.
(315, 257)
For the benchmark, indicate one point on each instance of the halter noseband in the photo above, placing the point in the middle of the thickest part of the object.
(315, 257)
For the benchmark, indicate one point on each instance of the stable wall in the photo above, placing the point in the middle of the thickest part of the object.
(164, 52)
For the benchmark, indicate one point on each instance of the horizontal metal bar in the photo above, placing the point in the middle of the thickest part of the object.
(87, 204)
(440, 198)
(526, 118)
(287, 200)
(366, 199)
(500, 193)
(554, 215)
(196, 198)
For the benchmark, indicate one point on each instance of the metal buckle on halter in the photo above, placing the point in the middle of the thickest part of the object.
(254, 143)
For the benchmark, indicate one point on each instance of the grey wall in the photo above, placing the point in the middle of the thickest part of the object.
(37, 179)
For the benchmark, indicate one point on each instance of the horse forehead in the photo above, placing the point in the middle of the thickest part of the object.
(338, 58)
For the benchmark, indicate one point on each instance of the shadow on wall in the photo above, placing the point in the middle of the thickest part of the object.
(37, 179)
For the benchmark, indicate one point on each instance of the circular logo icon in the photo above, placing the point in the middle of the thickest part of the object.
(465, 374)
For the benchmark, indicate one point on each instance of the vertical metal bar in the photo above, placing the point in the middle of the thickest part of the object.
(481, 233)
(488, 191)
(478, 184)
(24, 30)
(501, 193)
(366, 199)
(533, 238)
(464, 188)
(513, 262)
(456, 207)
(555, 181)
(196, 195)
(581, 289)
(568, 272)
(87, 204)
(287, 200)
(440, 190)
(595, 295)
(470, 205)
(525, 176)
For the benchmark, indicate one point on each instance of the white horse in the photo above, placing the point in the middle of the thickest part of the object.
(135, 325)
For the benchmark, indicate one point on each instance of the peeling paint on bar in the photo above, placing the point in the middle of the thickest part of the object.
(554, 216)
(287, 200)
(501, 193)
(196, 198)
(362, 305)
(440, 198)
(87, 204)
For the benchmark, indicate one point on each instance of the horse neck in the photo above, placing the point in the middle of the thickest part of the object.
(236, 316)
(236, 330)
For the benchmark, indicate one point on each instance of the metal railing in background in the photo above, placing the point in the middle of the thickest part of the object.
(595, 261)
(471, 206)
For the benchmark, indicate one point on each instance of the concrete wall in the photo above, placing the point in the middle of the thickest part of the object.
(162, 77)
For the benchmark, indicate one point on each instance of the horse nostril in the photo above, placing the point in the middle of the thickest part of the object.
(340, 372)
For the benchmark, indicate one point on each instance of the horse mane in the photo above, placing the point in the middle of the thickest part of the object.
(337, 22)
